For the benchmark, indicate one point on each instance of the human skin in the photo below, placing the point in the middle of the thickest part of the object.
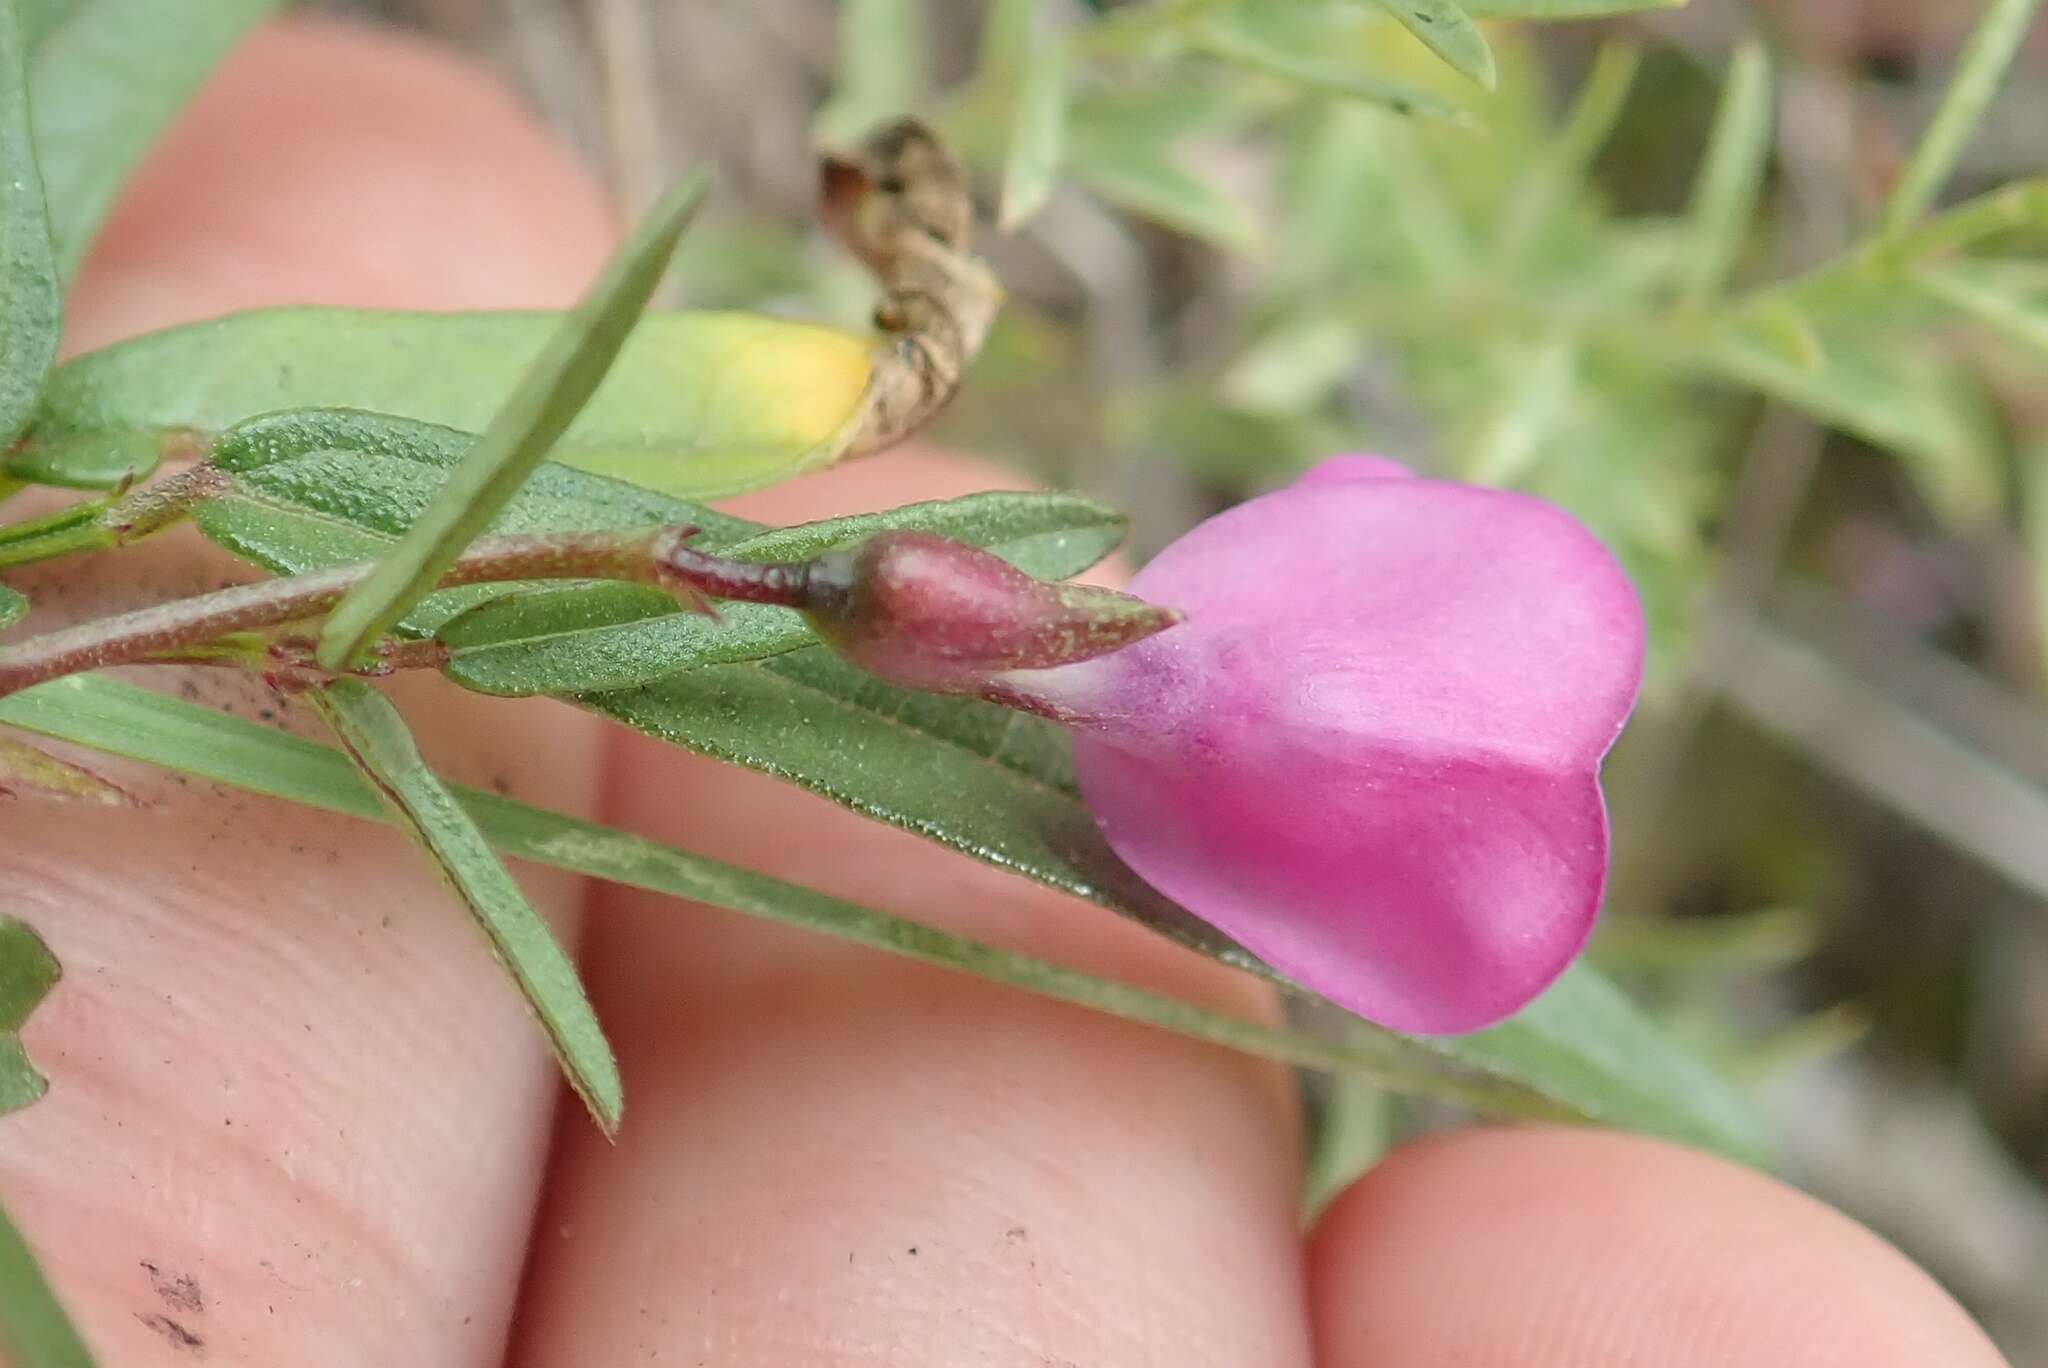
(298, 1114)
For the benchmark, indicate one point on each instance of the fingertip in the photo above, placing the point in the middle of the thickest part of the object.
(1593, 1249)
(333, 163)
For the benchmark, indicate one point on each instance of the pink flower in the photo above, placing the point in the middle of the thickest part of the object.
(1371, 752)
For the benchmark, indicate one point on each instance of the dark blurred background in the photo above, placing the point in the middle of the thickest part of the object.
(1273, 238)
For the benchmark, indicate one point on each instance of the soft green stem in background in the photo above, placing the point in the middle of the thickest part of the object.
(1979, 73)
(1724, 197)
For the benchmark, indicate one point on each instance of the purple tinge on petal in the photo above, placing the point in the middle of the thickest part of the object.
(1371, 752)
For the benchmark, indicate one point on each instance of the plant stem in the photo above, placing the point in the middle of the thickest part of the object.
(186, 625)
(196, 630)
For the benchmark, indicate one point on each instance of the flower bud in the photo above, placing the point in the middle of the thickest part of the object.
(927, 613)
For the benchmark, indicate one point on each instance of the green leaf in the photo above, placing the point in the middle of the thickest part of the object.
(27, 973)
(38, 17)
(34, 1331)
(1979, 72)
(699, 404)
(1981, 291)
(1149, 183)
(1447, 30)
(105, 81)
(1038, 131)
(881, 67)
(1892, 394)
(540, 409)
(383, 750)
(1293, 368)
(562, 640)
(13, 607)
(1548, 10)
(313, 489)
(1724, 197)
(1557, 1061)
(31, 300)
(1287, 42)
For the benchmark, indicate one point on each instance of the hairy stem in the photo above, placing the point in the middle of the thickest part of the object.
(182, 628)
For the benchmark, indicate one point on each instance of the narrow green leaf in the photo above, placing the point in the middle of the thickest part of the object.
(1269, 39)
(881, 67)
(1894, 394)
(1725, 194)
(1522, 423)
(38, 17)
(1447, 30)
(538, 412)
(1149, 183)
(31, 300)
(34, 1331)
(1981, 292)
(580, 638)
(1979, 72)
(27, 973)
(1509, 1070)
(314, 489)
(1293, 368)
(383, 750)
(1354, 1130)
(699, 404)
(105, 81)
(1560, 169)
(13, 607)
(1540, 11)
(1038, 131)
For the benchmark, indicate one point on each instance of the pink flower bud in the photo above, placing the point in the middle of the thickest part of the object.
(1371, 752)
(928, 613)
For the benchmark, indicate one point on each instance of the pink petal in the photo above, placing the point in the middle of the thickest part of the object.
(1371, 752)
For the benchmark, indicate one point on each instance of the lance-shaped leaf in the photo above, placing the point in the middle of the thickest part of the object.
(377, 740)
(543, 404)
(31, 301)
(27, 973)
(1579, 1052)
(315, 489)
(1724, 196)
(698, 404)
(106, 79)
(1539, 10)
(34, 1330)
(1447, 30)
(1986, 57)
(1038, 125)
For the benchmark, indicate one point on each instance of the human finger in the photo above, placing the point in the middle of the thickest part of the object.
(297, 1113)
